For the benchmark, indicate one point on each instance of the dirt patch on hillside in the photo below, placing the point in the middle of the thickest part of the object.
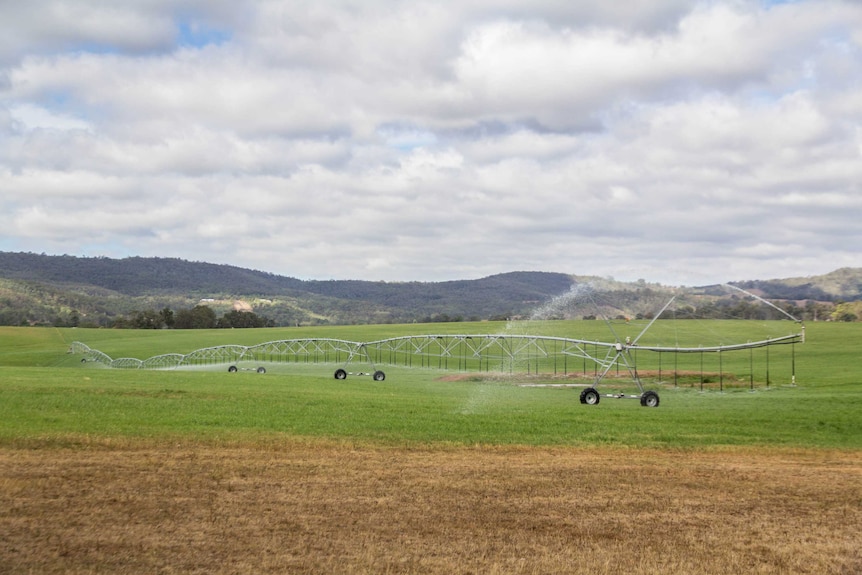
(314, 507)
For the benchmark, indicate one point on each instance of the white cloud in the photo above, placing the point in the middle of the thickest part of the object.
(428, 141)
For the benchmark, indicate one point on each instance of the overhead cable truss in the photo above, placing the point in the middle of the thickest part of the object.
(474, 352)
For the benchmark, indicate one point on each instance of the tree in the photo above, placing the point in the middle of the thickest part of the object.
(241, 319)
(167, 317)
(149, 319)
(847, 311)
(199, 317)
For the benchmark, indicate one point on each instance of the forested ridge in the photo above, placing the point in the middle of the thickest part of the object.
(43, 289)
(39, 289)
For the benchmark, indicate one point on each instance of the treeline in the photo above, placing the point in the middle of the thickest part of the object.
(69, 291)
(737, 309)
(850, 288)
(198, 317)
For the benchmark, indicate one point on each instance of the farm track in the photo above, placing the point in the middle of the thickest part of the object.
(297, 506)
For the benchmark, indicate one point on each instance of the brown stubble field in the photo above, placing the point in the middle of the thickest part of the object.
(298, 506)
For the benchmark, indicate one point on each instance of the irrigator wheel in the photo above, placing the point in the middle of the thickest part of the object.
(590, 396)
(340, 374)
(649, 399)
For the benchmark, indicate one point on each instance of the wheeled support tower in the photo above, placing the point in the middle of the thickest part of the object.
(648, 398)
(376, 374)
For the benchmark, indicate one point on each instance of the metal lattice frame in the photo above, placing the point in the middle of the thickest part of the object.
(474, 352)
(477, 352)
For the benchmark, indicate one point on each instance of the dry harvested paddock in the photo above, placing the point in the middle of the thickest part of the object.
(301, 507)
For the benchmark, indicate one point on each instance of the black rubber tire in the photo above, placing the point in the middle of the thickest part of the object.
(232, 369)
(650, 399)
(590, 396)
(261, 370)
(379, 375)
(340, 374)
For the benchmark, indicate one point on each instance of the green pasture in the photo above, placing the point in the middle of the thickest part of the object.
(48, 396)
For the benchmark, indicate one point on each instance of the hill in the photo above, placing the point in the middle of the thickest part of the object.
(64, 290)
(842, 284)
(38, 288)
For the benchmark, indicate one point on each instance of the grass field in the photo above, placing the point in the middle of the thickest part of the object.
(429, 471)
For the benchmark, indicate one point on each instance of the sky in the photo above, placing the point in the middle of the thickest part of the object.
(679, 142)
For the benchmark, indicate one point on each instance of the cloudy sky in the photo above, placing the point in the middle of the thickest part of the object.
(677, 141)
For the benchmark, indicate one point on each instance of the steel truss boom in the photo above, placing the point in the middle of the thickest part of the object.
(472, 349)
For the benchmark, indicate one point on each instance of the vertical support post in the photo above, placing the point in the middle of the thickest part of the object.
(556, 346)
(659, 366)
(751, 368)
(767, 367)
(793, 363)
(565, 362)
(595, 354)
